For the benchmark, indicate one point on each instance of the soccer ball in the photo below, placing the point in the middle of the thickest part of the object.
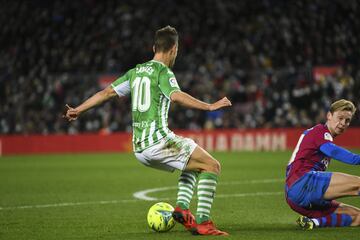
(160, 217)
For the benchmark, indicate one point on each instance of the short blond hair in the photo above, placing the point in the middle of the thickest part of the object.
(342, 105)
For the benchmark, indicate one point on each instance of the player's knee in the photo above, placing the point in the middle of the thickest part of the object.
(215, 167)
(356, 185)
(356, 220)
(357, 180)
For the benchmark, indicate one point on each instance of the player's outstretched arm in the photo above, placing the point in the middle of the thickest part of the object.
(191, 102)
(96, 99)
(339, 153)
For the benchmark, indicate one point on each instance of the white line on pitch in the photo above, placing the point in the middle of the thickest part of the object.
(273, 180)
(69, 204)
(141, 196)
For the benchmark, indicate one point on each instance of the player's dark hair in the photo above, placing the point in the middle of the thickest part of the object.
(165, 39)
(342, 105)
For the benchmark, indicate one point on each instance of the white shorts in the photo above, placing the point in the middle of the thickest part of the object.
(168, 154)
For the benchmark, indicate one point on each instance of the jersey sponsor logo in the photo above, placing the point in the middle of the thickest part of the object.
(142, 124)
(173, 82)
(327, 136)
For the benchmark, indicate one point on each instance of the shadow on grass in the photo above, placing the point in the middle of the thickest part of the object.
(289, 231)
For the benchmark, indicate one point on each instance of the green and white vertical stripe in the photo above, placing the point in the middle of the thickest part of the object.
(154, 131)
(206, 192)
(187, 182)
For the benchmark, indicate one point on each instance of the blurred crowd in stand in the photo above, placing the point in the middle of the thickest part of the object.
(260, 54)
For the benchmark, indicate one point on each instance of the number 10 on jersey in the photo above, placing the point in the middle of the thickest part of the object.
(141, 94)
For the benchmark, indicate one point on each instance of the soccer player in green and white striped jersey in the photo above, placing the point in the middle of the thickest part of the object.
(153, 86)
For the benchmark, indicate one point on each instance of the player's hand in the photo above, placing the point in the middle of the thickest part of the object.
(71, 113)
(224, 102)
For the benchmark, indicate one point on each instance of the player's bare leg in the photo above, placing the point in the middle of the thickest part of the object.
(342, 185)
(202, 161)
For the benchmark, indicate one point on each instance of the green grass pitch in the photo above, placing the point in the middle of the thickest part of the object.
(90, 196)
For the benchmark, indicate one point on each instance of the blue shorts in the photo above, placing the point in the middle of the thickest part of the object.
(309, 190)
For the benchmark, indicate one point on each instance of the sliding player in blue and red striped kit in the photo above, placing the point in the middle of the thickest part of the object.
(310, 190)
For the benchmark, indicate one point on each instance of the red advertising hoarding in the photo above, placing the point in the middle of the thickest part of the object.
(219, 140)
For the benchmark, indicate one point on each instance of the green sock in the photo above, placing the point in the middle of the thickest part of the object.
(206, 192)
(187, 182)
